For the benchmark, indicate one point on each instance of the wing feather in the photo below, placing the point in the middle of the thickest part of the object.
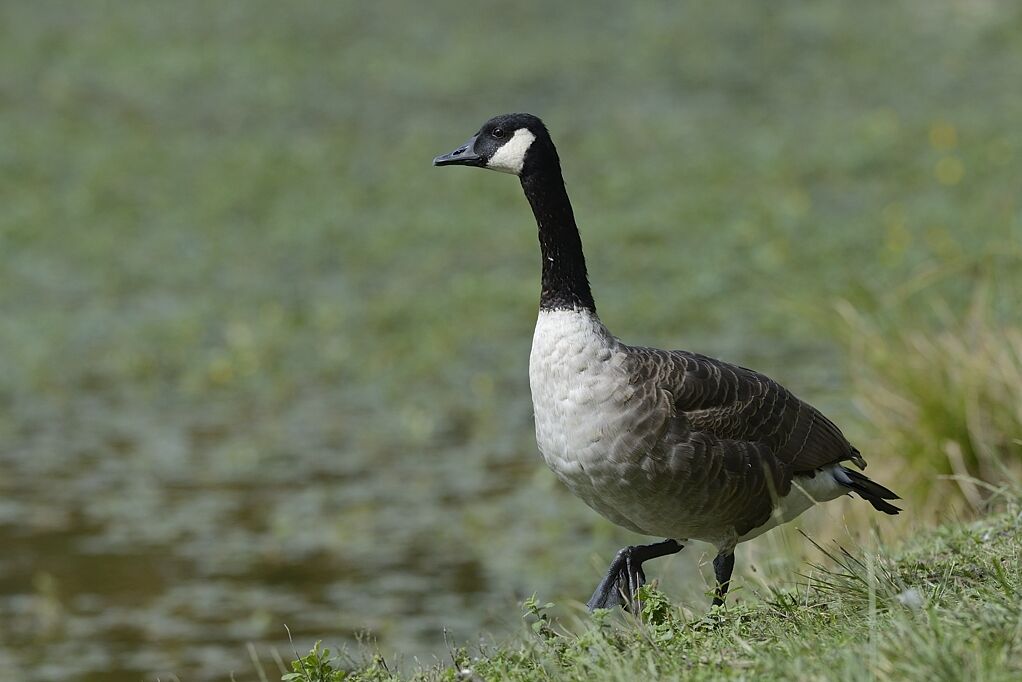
(734, 404)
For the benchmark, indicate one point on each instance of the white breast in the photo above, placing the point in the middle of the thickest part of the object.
(580, 396)
(571, 381)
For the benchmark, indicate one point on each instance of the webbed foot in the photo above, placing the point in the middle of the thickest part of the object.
(625, 576)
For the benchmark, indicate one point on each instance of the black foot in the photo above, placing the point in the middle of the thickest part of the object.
(625, 576)
(723, 566)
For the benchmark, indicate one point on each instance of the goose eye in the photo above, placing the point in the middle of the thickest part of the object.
(498, 133)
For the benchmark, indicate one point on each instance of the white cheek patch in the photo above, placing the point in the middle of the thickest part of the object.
(511, 156)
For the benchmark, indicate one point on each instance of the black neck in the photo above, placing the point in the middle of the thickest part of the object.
(565, 284)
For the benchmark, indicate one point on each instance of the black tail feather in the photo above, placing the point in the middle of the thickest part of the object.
(871, 491)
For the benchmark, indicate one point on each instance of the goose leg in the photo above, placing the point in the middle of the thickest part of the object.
(723, 566)
(625, 575)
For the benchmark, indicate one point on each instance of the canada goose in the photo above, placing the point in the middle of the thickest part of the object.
(664, 443)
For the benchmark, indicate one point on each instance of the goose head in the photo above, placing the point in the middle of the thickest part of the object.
(510, 143)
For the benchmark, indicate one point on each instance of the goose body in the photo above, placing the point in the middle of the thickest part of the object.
(664, 443)
(610, 425)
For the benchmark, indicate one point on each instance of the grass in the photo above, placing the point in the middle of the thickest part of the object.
(943, 396)
(946, 605)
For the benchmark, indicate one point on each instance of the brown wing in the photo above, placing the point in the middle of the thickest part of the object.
(732, 403)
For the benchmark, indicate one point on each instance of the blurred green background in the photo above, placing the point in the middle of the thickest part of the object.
(261, 364)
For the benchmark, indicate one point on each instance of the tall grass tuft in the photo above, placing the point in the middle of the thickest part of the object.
(944, 399)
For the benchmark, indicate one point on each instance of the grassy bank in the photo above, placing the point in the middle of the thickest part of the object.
(945, 606)
(941, 399)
